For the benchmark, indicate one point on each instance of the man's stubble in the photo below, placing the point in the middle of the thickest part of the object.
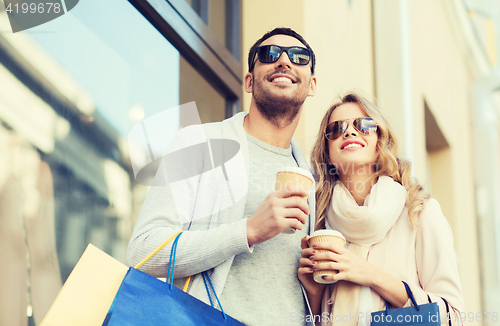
(279, 110)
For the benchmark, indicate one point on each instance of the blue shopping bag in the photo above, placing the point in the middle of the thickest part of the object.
(144, 300)
(416, 315)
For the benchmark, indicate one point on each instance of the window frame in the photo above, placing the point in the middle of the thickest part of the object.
(188, 33)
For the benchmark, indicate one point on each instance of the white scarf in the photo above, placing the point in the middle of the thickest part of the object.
(368, 224)
(363, 226)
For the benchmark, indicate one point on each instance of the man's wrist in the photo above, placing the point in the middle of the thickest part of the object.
(250, 237)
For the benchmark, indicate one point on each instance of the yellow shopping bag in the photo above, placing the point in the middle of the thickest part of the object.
(85, 298)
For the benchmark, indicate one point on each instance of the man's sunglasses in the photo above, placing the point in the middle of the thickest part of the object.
(366, 126)
(272, 53)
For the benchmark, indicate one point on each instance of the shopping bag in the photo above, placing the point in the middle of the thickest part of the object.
(144, 300)
(88, 292)
(416, 315)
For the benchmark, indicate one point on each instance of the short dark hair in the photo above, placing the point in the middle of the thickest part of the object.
(279, 31)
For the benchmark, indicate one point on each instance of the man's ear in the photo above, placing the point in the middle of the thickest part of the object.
(312, 86)
(248, 82)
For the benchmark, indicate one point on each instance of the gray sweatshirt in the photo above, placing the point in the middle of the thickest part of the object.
(208, 206)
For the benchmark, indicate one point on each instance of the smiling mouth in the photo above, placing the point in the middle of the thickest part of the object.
(282, 80)
(352, 145)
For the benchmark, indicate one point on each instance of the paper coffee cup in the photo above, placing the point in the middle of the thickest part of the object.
(325, 236)
(294, 176)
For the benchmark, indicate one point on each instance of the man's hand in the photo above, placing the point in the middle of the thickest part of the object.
(277, 212)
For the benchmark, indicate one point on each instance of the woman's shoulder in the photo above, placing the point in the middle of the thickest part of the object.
(431, 208)
(432, 217)
(431, 205)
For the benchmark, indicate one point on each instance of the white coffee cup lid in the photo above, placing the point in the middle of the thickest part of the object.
(298, 170)
(327, 232)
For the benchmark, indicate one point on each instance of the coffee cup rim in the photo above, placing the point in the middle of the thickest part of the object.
(297, 170)
(327, 232)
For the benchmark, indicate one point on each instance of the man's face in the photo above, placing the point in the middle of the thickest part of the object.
(279, 89)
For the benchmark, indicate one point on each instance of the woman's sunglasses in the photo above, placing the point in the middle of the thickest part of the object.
(272, 53)
(366, 126)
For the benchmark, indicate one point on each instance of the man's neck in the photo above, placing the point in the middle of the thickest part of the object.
(264, 130)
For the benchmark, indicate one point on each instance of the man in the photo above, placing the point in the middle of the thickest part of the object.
(252, 265)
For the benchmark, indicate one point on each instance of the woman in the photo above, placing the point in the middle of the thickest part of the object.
(395, 232)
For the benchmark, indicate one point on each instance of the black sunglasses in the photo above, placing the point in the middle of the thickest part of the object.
(364, 125)
(272, 53)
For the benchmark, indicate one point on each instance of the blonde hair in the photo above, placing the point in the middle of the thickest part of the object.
(388, 163)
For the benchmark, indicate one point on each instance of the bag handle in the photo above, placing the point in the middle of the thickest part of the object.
(171, 263)
(410, 295)
(171, 266)
(205, 275)
(170, 277)
(174, 236)
(447, 311)
(157, 249)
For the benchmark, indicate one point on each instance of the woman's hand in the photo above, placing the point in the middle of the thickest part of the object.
(306, 269)
(314, 289)
(354, 269)
(350, 266)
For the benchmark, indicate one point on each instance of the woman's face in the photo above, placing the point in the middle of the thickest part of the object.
(353, 150)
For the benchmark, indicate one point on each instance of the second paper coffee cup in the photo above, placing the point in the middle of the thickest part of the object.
(325, 236)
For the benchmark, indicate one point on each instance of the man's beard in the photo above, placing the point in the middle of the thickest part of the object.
(279, 110)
